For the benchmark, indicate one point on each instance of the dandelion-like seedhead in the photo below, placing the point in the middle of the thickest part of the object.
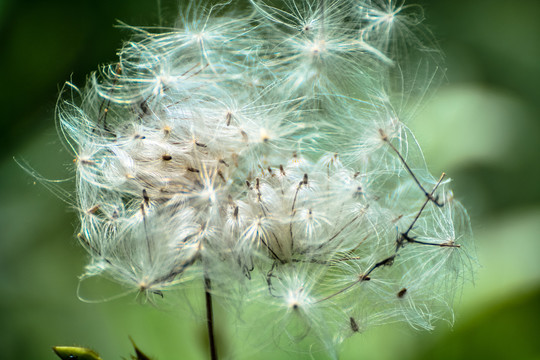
(267, 152)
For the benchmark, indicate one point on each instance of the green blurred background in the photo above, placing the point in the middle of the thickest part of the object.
(482, 128)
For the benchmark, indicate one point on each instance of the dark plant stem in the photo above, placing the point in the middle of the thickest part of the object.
(210, 317)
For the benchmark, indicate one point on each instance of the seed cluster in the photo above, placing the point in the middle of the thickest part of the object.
(267, 152)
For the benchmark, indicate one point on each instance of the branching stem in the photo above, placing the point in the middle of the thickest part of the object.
(409, 170)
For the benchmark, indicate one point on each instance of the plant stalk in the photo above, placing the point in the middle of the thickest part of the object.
(210, 317)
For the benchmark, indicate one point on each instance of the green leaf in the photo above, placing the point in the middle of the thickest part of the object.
(75, 353)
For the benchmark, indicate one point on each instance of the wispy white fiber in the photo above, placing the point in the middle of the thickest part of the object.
(269, 150)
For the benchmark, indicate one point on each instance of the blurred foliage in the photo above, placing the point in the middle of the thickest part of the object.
(482, 129)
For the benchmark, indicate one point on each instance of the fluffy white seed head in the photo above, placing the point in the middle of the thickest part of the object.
(267, 150)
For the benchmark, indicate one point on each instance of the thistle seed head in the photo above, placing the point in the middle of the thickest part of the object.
(269, 151)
